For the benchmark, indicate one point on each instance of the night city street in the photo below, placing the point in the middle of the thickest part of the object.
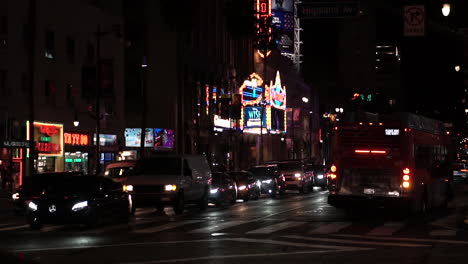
(234, 131)
(301, 228)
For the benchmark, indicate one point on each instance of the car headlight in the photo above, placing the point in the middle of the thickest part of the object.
(80, 206)
(106, 173)
(170, 187)
(258, 183)
(213, 191)
(32, 206)
(127, 188)
(297, 175)
(243, 187)
(320, 176)
(15, 196)
(267, 181)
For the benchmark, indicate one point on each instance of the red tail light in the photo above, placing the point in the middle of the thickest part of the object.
(332, 176)
(333, 168)
(406, 178)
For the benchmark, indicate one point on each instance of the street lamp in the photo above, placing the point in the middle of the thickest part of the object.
(76, 122)
(305, 99)
(446, 9)
(457, 68)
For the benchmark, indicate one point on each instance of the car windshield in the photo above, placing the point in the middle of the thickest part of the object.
(289, 166)
(118, 172)
(262, 171)
(160, 166)
(241, 176)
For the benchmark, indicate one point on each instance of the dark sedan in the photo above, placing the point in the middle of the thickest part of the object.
(75, 200)
(270, 182)
(248, 187)
(223, 188)
(22, 195)
(319, 174)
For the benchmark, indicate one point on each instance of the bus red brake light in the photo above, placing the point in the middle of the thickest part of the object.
(332, 176)
(406, 184)
(406, 171)
(378, 152)
(333, 169)
(406, 178)
(362, 151)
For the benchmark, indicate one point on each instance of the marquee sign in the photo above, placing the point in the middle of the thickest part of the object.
(277, 93)
(251, 90)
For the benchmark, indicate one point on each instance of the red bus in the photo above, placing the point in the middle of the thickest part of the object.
(401, 160)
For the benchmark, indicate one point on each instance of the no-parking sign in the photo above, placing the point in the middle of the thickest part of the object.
(414, 24)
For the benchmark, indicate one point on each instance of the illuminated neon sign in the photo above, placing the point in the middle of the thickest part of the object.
(277, 93)
(76, 139)
(264, 27)
(251, 90)
(53, 147)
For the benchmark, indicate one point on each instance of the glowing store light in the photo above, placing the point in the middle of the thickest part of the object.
(446, 9)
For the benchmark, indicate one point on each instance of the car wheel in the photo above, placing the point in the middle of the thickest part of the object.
(234, 198)
(179, 204)
(203, 202)
(35, 224)
(303, 189)
(273, 192)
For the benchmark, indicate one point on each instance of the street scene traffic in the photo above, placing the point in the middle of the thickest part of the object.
(233, 131)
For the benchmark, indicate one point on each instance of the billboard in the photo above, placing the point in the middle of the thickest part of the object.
(163, 139)
(133, 136)
(283, 22)
(252, 116)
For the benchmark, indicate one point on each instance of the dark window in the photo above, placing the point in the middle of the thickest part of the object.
(49, 45)
(71, 49)
(49, 91)
(3, 82)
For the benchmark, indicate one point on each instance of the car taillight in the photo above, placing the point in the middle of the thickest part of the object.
(333, 168)
(406, 178)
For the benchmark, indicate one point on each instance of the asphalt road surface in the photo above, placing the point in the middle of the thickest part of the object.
(291, 229)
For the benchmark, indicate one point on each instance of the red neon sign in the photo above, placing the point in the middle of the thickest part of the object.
(47, 147)
(49, 130)
(76, 139)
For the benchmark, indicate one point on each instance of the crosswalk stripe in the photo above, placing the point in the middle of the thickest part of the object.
(386, 229)
(330, 228)
(443, 232)
(218, 227)
(13, 228)
(358, 242)
(276, 227)
(160, 228)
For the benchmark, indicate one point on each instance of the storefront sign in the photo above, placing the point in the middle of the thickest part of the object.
(16, 144)
(251, 90)
(48, 138)
(76, 139)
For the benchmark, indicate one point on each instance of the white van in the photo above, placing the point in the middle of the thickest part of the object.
(170, 180)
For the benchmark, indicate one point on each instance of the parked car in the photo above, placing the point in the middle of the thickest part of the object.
(319, 175)
(170, 180)
(23, 195)
(75, 200)
(270, 182)
(223, 188)
(248, 187)
(295, 176)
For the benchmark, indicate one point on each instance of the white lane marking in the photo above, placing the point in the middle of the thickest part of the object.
(355, 242)
(330, 228)
(160, 228)
(240, 256)
(13, 228)
(282, 212)
(386, 229)
(443, 232)
(457, 242)
(295, 244)
(219, 226)
(276, 227)
(119, 245)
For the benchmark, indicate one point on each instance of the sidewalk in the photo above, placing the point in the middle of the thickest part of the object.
(6, 207)
(460, 202)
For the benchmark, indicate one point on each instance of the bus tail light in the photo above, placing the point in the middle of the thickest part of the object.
(333, 168)
(332, 176)
(406, 178)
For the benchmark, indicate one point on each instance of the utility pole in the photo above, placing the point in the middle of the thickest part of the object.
(32, 69)
(98, 99)
(144, 65)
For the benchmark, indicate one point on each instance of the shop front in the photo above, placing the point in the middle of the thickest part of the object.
(48, 138)
(77, 151)
(12, 160)
(109, 147)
